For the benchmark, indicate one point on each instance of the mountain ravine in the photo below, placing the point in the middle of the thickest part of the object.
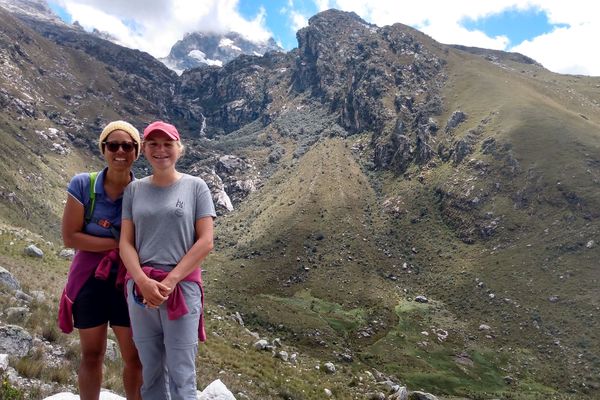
(416, 214)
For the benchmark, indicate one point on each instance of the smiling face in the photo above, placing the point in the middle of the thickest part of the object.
(161, 151)
(119, 159)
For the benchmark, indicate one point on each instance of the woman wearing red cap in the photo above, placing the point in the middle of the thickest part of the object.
(167, 230)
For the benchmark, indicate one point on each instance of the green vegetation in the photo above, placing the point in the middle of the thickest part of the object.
(342, 321)
(8, 392)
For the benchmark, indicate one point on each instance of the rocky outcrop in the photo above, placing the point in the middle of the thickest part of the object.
(239, 176)
(8, 280)
(217, 101)
(355, 68)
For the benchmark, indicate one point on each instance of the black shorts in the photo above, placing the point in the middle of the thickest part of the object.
(99, 302)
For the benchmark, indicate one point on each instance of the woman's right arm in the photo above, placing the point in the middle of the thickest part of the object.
(72, 230)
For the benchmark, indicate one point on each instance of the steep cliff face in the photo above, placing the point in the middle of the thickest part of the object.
(215, 101)
(381, 80)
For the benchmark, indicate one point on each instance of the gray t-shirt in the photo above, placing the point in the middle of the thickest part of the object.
(165, 217)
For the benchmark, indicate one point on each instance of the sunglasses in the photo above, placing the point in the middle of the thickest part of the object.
(113, 147)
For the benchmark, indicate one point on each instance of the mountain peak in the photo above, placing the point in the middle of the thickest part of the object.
(205, 48)
(332, 14)
(37, 9)
(330, 24)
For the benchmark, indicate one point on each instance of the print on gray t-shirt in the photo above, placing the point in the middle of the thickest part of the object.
(165, 217)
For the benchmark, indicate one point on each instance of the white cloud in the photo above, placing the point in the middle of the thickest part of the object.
(298, 21)
(155, 25)
(322, 5)
(565, 50)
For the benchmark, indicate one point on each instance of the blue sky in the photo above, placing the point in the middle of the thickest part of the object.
(276, 21)
(516, 25)
(555, 33)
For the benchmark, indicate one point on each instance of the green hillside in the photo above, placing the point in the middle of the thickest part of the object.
(464, 264)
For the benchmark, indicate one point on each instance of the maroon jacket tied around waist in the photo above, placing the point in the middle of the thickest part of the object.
(84, 265)
(176, 305)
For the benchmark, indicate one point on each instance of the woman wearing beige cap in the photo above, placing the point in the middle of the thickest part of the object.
(93, 297)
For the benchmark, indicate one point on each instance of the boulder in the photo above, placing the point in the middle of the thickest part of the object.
(400, 394)
(455, 119)
(3, 362)
(112, 350)
(216, 390)
(19, 294)
(67, 253)
(329, 367)
(33, 251)
(17, 314)
(15, 340)
(261, 345)
(283, 355)
(8, 280)
(417, 395)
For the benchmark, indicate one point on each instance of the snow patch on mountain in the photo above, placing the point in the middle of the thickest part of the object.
(201, 57)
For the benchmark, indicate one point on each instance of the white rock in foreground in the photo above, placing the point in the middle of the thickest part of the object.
(104, 395)
(215, 391)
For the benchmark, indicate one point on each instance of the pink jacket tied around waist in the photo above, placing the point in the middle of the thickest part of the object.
(176, 305)
(86, 263)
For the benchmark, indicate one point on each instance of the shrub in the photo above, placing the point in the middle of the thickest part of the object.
(8, 392)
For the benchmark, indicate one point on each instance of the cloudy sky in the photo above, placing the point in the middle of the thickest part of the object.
(557, 33)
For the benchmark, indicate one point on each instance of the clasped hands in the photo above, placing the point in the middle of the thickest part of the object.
(155, 293)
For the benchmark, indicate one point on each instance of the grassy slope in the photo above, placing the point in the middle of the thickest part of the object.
(311, 214)
(539, 250)
(62, 81)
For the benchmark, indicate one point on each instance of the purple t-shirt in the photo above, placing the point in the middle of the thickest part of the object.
(104, 208)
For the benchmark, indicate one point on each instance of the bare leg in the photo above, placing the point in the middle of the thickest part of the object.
(93, 347)
(132, 369)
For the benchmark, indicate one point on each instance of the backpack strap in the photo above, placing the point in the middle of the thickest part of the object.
(89, 213)
(90, 209)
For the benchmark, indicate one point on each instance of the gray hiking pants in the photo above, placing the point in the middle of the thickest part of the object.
(167, 349)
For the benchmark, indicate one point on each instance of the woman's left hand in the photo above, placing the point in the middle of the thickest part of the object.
(168, 286)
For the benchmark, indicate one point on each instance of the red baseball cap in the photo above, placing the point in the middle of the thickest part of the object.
(161, 126)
